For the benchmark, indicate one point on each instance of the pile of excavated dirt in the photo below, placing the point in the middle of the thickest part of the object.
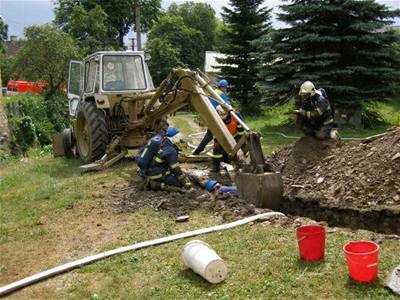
(362, 175)
(131, 198)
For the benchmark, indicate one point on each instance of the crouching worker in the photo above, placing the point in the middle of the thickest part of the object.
(315, 117)
(163, 170)
(237, 131)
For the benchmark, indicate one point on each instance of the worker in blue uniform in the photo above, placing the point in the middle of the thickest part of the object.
(163, 169)
(222, 90)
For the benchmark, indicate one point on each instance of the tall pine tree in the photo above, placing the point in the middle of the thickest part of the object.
(344, 46)
(246, 22)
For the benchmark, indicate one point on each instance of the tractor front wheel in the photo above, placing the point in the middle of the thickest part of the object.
(91, 132)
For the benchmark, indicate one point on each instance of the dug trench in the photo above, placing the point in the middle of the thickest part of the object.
(384, 221)
(354, 185)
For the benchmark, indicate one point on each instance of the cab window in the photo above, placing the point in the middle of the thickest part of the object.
(123, 72)
(90, 75)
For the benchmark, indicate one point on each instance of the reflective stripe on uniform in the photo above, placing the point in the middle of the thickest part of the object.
(155, 176)
(144, 152)
(239, 133)
(217, 155)
(308, 115)
(319, 111)
(175, 165)
(159, 160)
(328, 122)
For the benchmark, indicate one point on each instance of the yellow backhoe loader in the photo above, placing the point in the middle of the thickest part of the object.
(114, 107)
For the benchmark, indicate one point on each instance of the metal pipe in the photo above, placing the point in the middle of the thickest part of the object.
(155, 96)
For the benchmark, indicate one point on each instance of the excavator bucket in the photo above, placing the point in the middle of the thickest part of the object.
(257, 184)
(263, 190)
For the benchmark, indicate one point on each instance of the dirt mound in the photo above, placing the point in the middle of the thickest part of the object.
(358, 175)
(131, 199)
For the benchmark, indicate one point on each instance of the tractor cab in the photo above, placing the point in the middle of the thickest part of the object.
(105, 74)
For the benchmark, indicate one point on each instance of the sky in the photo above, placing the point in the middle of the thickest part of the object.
(21, 13)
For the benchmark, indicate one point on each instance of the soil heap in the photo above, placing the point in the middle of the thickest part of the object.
(362, 175)
(132, 198)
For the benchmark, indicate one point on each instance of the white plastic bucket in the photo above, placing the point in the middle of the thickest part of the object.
(198, 256)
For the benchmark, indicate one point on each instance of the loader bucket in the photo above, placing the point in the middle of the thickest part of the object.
(263, 190)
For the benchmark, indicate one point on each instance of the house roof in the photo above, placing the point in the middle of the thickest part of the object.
(211, 64)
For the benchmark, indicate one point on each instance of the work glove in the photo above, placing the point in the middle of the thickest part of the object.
(184, 181)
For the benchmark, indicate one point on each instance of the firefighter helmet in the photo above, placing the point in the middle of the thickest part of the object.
(307, 88)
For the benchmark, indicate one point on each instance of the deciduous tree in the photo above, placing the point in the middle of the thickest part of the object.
(3, 38)
(45, 56)
(120, 15)
(199, 16)
(3, 35)
(185, 43)
(164, 57)
(89, 29)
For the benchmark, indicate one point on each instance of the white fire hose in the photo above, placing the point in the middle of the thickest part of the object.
(90, 259)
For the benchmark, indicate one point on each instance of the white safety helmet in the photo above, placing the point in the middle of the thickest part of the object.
(307, 88)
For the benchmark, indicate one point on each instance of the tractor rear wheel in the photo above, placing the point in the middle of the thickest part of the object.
(91, 132)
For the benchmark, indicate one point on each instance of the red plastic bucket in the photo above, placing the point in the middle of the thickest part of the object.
(362, 260)
(311, 241)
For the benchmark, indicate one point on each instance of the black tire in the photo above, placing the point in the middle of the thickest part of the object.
(68, 143)
(91, 132)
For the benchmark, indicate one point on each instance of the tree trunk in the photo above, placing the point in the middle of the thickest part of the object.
(120, 38)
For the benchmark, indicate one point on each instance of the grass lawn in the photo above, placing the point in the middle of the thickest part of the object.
(52, 214)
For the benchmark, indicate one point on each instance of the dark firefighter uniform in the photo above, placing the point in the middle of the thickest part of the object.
(164, 167)
(147, 152)
(219, 154)
(315, 117)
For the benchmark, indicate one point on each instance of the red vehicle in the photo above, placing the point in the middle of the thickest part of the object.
(24, 87)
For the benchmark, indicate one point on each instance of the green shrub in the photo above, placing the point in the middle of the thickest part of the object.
(4, 154)
(24, 133)
(36, 118)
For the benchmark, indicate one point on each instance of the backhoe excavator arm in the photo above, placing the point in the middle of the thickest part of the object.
(256, 184)
(192, 88)
(189, 88)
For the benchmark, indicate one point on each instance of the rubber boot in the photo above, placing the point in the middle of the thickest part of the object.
(155, 185)
(144, 184)
(173, 189)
